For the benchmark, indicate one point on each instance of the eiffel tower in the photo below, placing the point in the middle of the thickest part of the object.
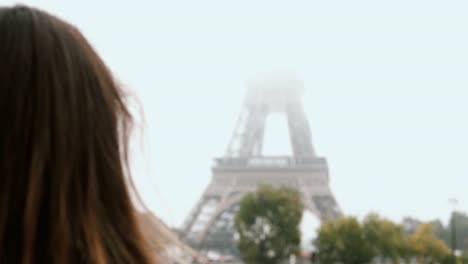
(210, 225)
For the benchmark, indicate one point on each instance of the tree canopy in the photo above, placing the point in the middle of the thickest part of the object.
(425, 245)
(343, 241)
(348, 240)
(387, 238)
(267, 224)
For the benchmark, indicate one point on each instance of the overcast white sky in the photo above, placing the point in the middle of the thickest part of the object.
(386, 91)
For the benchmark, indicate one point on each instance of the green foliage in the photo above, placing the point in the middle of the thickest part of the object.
(463, 258)
(445, 232)
(424, 244)
(461, 229)
(267, 224)
(387, 238)
(346, 240)
(343, 241)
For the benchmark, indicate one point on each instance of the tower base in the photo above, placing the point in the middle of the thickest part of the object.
(211, 222)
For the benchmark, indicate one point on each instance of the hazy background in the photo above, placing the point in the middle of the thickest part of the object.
(386, 91)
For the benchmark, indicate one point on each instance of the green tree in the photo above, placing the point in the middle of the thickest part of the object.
(427, 247)
(461, 229)
(343, 241)
(445, 232)
(387, 238)
(463, 258)
(267, 224)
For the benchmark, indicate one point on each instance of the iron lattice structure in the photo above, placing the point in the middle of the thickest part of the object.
(243, 168)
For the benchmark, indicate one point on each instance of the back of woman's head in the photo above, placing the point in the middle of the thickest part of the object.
(63, 135)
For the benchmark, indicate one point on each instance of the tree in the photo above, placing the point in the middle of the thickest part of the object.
(430, 249)
(267, 224)
(445, 232)
(387, 238)
(461, 229)
(463, 258)
(346, 240)
(343, 241)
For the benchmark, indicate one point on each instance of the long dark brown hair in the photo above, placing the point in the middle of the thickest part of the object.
(64, 126)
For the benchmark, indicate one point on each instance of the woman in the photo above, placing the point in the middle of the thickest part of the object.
(63, 135)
